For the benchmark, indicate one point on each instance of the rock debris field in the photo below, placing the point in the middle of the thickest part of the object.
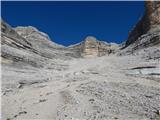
(105, 88)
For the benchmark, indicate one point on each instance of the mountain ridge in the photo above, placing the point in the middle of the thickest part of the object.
(91, 80)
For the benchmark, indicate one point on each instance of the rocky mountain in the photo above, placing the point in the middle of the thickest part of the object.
(91, 80)
(27, 45)
(91, 47)
(146, 31)
(144, 38)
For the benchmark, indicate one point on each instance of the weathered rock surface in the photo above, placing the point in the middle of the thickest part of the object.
(147, 45)
(15, 48)
(144, 39)
(149, 23)
(27, 46)
(43, 80)
(104, 88)
(91, 47)
(152, 15)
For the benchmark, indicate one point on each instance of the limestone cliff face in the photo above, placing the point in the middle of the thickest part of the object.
(145, 36)
(91, 47)
(152, 15)
(150, 22)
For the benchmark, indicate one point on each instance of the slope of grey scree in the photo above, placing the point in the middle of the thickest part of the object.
(92, 80)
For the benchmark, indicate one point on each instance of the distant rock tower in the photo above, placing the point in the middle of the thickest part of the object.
(90, 47)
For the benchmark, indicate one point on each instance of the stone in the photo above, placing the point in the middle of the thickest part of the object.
(150, 22)
(59, 84)
(27, 46)
(144, 38)
(91, 47)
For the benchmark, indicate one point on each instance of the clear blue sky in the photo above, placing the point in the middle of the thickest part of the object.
(70, 22)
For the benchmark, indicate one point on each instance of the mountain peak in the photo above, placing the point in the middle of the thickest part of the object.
(90, 38)
(27, 31)
(91, 47)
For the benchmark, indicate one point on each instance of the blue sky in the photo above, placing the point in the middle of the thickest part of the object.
(70, 22)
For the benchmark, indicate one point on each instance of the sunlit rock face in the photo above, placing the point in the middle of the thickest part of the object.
(90, 47)
(150, 22)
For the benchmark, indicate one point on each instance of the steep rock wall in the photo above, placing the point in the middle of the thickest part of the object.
(150, 22)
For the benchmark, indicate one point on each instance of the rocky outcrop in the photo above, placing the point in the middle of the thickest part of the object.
(94, 48)
(25, 46)
(145, 36)
(15, 48)
(149, 23)
(152, 15)
(91, 47)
